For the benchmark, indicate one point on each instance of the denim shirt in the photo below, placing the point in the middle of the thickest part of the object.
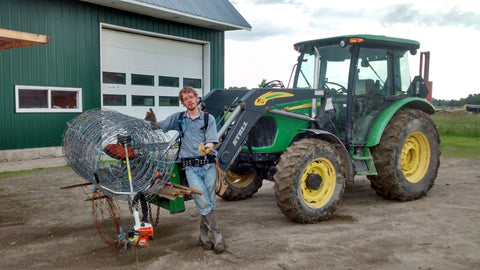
(193, 132)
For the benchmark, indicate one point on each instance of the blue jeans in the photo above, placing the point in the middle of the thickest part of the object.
(203, 178)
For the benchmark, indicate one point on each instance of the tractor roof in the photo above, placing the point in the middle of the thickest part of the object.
(362, 40)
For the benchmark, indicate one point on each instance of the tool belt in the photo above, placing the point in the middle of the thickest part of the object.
(198, 161)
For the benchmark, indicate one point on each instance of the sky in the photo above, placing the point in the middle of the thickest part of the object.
(450, 30)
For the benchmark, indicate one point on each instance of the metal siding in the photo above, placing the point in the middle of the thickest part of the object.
(72, 59)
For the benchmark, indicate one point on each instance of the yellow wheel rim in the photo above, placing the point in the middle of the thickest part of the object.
(415, 157)
(317, 198)
(239, 180)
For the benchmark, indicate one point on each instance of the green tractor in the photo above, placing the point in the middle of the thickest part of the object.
(353, 110)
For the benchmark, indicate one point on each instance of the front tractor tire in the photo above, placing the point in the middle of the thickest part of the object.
(407, 158)
(240, 186)
(310, 180)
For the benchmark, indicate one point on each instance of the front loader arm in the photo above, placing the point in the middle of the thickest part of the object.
(249, 109)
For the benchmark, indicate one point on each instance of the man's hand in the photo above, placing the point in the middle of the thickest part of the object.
(152, 118)
(205, 150)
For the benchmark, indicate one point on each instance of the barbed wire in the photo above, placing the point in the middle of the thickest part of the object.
(98, 143)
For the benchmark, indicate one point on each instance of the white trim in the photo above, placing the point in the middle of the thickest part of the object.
(151, 34)
(206, 70)
(49, 109)
(169, 14)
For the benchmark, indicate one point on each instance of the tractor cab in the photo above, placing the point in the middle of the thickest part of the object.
(364, 75)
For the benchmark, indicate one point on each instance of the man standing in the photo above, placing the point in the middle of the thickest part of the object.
(197, 138)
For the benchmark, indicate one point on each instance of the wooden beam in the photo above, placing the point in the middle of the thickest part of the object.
(171, 191)
(13, 39)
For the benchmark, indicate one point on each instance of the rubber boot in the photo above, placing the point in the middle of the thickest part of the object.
(205, 241)
(218, 244)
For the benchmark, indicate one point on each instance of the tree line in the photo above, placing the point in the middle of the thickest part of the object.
(471, 99)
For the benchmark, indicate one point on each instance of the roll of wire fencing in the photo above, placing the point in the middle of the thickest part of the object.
(119, 154)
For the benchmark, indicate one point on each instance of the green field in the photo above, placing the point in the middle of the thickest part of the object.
(459, 134)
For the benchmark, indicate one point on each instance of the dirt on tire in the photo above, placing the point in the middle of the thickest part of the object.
(390, 182)
(44, 227)
(288, 191)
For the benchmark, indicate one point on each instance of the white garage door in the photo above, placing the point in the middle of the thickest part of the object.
(141, 72)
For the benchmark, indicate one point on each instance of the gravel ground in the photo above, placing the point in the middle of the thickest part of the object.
(44, 227)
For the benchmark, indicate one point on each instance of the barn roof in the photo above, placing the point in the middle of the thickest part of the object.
(212, 14)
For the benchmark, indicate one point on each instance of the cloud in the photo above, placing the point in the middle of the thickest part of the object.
(274, 2)
(269, 18)
(260, 30)
(406, 13)
(328, 12)
(327, 18)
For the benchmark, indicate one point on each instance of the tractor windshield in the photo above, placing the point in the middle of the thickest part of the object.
(333, 65)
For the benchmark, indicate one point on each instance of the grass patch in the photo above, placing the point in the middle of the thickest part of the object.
(460, 147)
(461, 124)
(459, 134)
(32, 171)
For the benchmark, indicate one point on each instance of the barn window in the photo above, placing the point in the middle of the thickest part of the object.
(139, 79)
(31, 99)
(195, 83)
(168, 101)
(114, 100)
(143, 101)
(114, 77)
(168, 81)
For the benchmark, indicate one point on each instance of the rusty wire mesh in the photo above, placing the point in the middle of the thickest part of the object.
(98, 143)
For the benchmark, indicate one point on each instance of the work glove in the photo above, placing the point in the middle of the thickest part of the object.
(152, 118)
(203, 150)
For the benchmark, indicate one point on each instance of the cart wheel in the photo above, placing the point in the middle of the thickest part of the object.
(106, 216)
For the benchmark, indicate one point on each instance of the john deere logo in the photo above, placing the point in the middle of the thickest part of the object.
(263, 99)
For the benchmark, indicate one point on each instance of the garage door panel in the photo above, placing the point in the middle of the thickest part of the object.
(173, 61)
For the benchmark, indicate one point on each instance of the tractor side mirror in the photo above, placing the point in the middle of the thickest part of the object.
(418, 87)
(365, 63)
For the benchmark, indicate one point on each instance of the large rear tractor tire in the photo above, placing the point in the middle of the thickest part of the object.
(407, 158)
(240, 186)
(310, 180)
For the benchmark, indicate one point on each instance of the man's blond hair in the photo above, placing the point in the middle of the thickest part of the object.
(186, 90)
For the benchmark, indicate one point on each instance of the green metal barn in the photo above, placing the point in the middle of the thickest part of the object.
(126, 55)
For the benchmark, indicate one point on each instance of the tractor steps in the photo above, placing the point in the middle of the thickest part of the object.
(363, 162)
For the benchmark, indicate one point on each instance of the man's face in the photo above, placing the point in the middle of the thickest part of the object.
(189, 100)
